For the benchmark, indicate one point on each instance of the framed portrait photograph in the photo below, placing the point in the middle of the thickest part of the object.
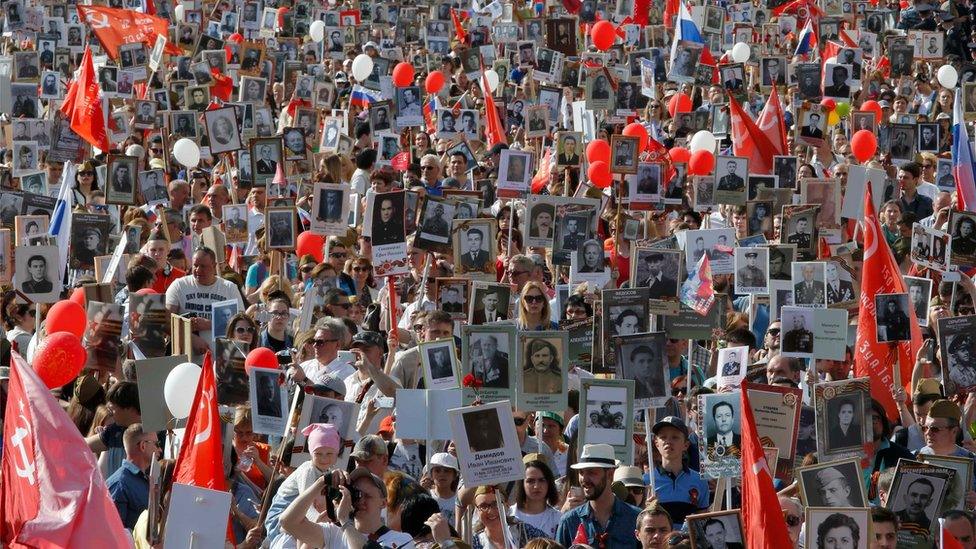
(265, 155)
(812, 128)
(957, 352)
(537, 117)
(380, 118)
(752, 270)
(848, 525)
(452, 296)
(225, 136)
(514, 173)
(731, 176)
(489, 303)
(317, 409)
(719, 529)
(568, 146)
(386, 218)
(295, 148)
(919, 297)
(893, 312)
(606, 415)
(641, 358)
(686, 60)
(29, 227)
(34, 182)
(833, 484)
(409, 109)
(25, 157)
(121, 187)
(485, 354)
(598, 92)
(36, 273)
(281, 228)
(152, 186)
(842, 409)
(624, 154)
(440, 364)
(434, 227)
(720, 440)
(539, 221)
(542, 379)
(916, 497)
(330, 207)
(235, 223)
(474, 246)
(658, 270)
(962, 480)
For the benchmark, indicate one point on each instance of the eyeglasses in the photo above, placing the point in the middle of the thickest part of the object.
(773, 331)
(86, 174)
(279, 314)
(320, 342)
(519, 421)
(534, 299)
(486, 507)
(247, 330)
(361, 269)
(338, 255)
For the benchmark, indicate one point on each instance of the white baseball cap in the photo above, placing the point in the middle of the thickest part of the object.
(443, 459)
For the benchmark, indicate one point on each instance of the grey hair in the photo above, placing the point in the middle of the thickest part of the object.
(335, 327)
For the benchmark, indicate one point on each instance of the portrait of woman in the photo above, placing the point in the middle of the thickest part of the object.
(964, 237)
(838, 531)
(844, 430)
(591, 257)
(540, 371)
(628, 322)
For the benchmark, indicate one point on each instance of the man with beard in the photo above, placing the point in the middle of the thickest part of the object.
(602, 513)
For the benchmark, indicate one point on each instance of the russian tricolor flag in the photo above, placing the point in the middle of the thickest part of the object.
(686, 29)
(362, 97)
(807, 41)
(963, 168)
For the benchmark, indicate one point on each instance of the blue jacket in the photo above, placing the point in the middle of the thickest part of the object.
(620, 527)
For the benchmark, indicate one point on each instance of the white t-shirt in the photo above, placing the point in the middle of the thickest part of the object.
(353, 386)
(547, 521)
(392, 538)
(189, 297)
(447, 506)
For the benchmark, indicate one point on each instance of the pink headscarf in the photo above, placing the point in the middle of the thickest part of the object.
(322, 434)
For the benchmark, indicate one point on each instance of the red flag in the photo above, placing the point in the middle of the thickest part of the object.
(494, 131)
(114, 27)
(829, 51)
(797, 5)
(201, 460)
(51, 491)
(670, 12)
(222, 86)
(881, 276)
(823, 248)
(641, 7)
(772, 119)
(572, 6)
(83, 106)
(656, 152)
(749, 141)
(462, 36)
(761, 514)
(542, 175)
(948, 540)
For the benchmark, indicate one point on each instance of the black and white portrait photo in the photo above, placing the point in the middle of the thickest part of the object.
(435, 224)
(265, 156)
(915, 499)
(830, 527)
(487, 355)
(641, 358)
(751, 270)
(440, 364)
(294, 140)
(893, 317)
(657, 270)
(329, 205)
(490, 304)
(515, 169)
(482, 429)
(808, 284)
(223, 130)
(832, 484)
(387, 219)
(797, 335)
(473, 246)
(121, 188)
(720, 530)
(685, 62)
(624, 154)
(379, 116)
(409, 110)
(720, 439)
(731, 175)
(280, 225)
(837, 79)
(36, 272)
(152, 185)
(774, 71)
(919, 296)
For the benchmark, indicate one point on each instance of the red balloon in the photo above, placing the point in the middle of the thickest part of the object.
(78, 296)
(828, 104)
(146, 291)
(237, 38)
(679, 102)
(66, 316)
(599, 174)
(701, 163)
(310, 244)
(679, 154)
(434, 82)
(602, 34)
(260, 357)
(598, 149)
(635, 129)
(59, 359)
(863, 145)
(872, 106)
(402, 74)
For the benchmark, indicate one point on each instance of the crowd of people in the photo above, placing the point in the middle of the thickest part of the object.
(619, 211)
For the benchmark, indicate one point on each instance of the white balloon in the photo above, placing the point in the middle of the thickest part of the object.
(741, 52)
(135, 150)
(180, 387)
(317, 30)
(186, 152)
(362, 66)
(948, 76)
(493, 79)
(702, 141)
(178, 11)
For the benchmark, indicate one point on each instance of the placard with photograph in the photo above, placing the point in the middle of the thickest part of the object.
(719, 438)
(487, 445)
(624, 154)
(893, 322)
(514, 173)
(808, 284)
(540, 222)
(265, 155)
(625, 312)
(718, 529)
(434, 228)
(474, 247)
(752, 270)
(543, 379)
(833, 484)
(645, 187)
(589, 264)
(489, 303)
(841, 285)
(852, 523)
(813, 333)
(331, 208)
(717, 243)
(957, 352)
(281, 228)
(919, 297)
(659, 271)
(232, 377)
(269, 401)
(733, 363)
(962, 228)
(841, 408)
(440, 364)
(961, 482)
(606, 415)
(385, 221)
(36, 273)
(641, 358)
(149, 324)
(812, 128)
(121, 187)
(28, 227)
(916, 497)
(776, 411)
(452, 296)
(317, 409)
(486, 352)
(225, 136)
(103, 336)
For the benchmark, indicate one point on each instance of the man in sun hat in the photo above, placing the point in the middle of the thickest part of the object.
(605, 520)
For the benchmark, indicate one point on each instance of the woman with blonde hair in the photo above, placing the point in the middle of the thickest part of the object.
(269, 289)
(533, 311)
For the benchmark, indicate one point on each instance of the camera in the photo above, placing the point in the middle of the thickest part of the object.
(284, 357)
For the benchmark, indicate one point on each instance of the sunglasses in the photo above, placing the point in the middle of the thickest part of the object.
(534, 299)
(279, 314)
(519, 421)
(792, 520)
(338, 255)
(773, 331)
(88, 174)
(247, 330)
(320, 342)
